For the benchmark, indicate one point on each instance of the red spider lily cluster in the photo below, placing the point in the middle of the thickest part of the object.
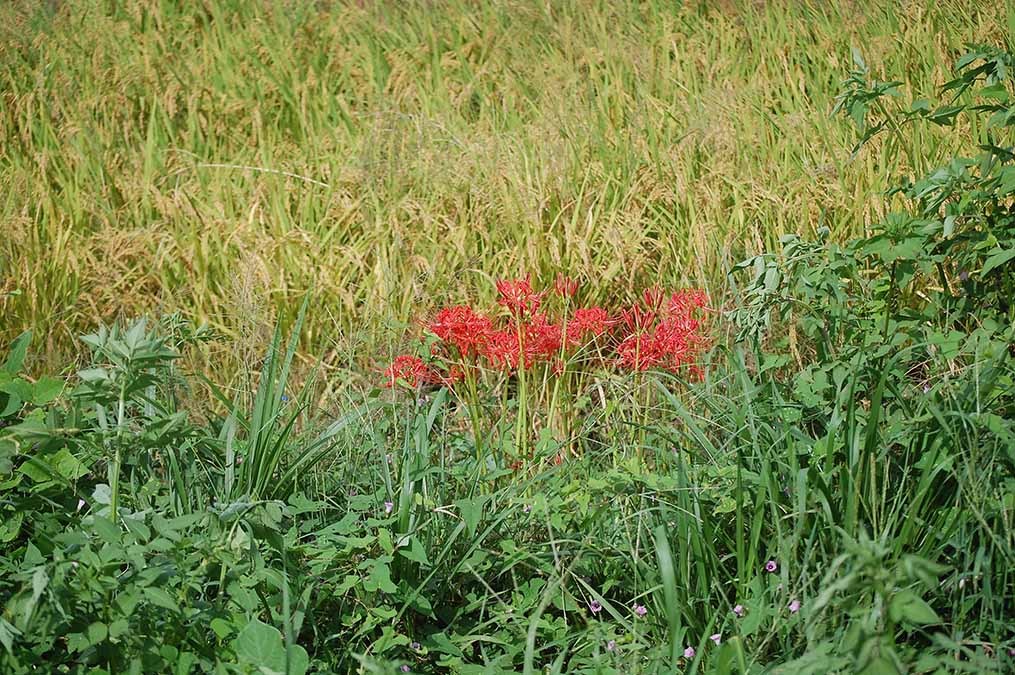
(663, 331)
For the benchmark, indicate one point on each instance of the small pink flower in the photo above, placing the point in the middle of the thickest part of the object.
(595, 607)
(640, 610)
(404, 668)
(717, 638)
(738, 610)
(771, 566)
(527, 508)
(81, 504)
(388, 506)
(416, 646)
(689, 653)
(794, 606)
(611, 646)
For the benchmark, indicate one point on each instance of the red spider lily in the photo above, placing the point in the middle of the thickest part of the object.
(639, 351)
(565, 286)
(534, 340)
(673, 343)
(462, 327)
(410, 369)
(517, 295)
(502, 349)
(542, 338)
(683, 303)
(587, 321)
(637, 319)
(662, 331)
(652, 297)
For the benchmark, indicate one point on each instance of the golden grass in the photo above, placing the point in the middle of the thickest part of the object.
(225, 158)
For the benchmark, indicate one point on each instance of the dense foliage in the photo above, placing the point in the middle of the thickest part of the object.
(836, 494)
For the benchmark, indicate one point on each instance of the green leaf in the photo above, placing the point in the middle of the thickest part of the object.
(439, 642)
(97, 632)
(380, 577)
(46, 390)
(160, 598)
(106, 530)
(415, 552)
(10, 527)
(7, 634)
(40, 580)
(16, 355)
(909, 607)
(261, 646)
(117, 628)
(880, 666)
(996, 260)
(68, 466)
(221, 627)
(472, 512)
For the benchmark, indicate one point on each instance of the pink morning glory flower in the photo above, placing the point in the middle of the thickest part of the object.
(388, 506)
(640, 610)
(738, 610)
(689, 653)
(771, 566)
(794, 606)
(716, 638)
(611, 645)
(595, 607)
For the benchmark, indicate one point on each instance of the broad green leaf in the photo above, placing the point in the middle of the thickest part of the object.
(46, 390)
(16, 354)
(472, 512)
(415, 552)
(996, 260)
(261, 646)
(909, 607)
(161, 598)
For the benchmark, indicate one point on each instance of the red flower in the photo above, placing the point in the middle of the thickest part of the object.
(461, 327)
(637, 319)
(565, 286)
(534, 340)
(542, 338)
(652, 297)
(502, 349)
(517, 295)
(587, 321)
(409, 369)
(673, 343)
(683, 303)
